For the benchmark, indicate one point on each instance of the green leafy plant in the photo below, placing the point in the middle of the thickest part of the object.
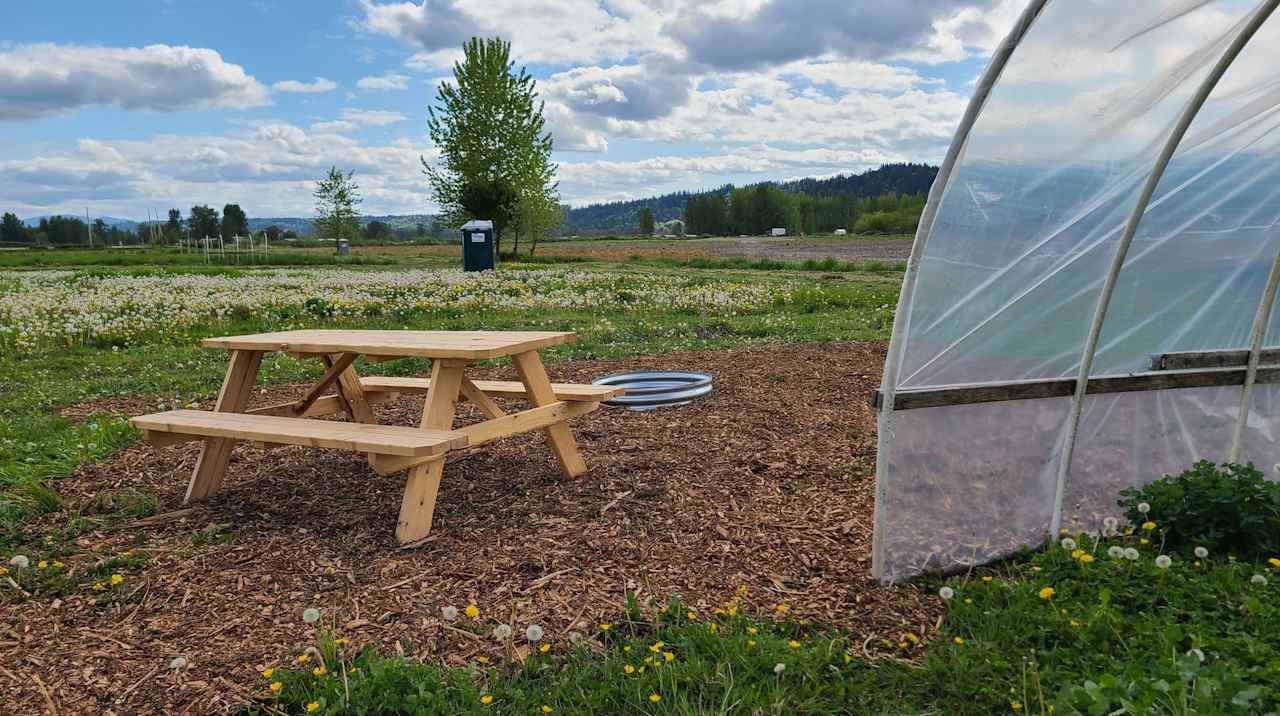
(1230, 509)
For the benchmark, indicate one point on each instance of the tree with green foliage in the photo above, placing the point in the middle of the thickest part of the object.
(378, 231)
(13, 231)
(494, 151)
(645, 217)
(173, 227)
(234, 222)
(337, 195)
(539, 217)
(203, 221)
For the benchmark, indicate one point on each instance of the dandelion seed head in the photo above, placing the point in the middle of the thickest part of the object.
(946, 593)
(1163, 561)
(1144, 508)
(20, 561)
(1201, 552)
(779, 668)
(502, 632)
(1131, 554)
(449, 613)
(311, 615)
(1115, 552)
(533, 633)
(1258, 579)
(1068, 543)
(178, 662)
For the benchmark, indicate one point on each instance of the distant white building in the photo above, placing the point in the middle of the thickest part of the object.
(777, 232)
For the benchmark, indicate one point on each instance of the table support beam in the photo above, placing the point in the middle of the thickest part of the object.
(534, 376)
(417, 508)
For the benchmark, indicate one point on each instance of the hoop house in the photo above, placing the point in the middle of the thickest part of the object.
(1088, 301)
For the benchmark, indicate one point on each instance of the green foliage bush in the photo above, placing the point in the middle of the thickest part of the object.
(1230, 509)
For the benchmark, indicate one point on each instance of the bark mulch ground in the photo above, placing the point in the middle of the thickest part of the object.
(767, 483)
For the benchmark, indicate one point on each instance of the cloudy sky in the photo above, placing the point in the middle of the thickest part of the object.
(117, 107)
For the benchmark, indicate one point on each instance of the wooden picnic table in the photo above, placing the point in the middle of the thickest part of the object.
(420, 450)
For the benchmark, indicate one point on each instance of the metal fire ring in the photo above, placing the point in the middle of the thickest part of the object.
(649, 390)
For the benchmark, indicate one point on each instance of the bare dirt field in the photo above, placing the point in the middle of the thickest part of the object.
(766, 483)
(782, 249)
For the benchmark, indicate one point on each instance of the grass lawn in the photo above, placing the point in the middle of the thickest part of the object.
(1064, 631)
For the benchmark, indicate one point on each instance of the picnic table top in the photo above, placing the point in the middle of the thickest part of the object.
(470, 345)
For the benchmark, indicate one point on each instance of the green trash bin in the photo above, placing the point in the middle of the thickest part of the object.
(477, 245)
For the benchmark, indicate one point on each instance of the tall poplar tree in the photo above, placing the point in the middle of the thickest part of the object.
(495, 152)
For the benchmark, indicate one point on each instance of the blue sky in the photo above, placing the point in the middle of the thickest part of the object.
(124, 106)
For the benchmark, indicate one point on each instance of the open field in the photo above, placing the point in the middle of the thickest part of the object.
(712, 560)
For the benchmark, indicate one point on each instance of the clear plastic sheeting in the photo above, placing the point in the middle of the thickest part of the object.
(1005, 280)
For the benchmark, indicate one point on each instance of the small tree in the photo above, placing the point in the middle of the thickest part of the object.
(337, 196)
(234, 221)
(13, 230)
(173, 227)
(204, 222)
(646, 221)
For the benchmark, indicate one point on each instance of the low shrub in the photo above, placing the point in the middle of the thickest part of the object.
(1230, 509)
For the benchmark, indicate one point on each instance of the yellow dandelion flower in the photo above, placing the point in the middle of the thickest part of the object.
(732, 611)
(276, 686)
(58, 565)
(340, 642)
(718, 612)
(986, 578)
(781, 608)
(482, 659)
(605, 627)
(42, 564)
(968, 600)
(655, 698)
(742, 590)
(657, 646)
(751, 642)
(693, 616)
(4, 571)
(1046, 593)
(713, 627)
(909, 636)
(472, 611)
(98, 586)
(303, 658)
(668, 656)
(267, 672)
(627, 648)
(793, 644)
(1086, 558)
(547, 709)
(1075, 553)
(1144, 540)
(116, 579)
(544, 648)
(1148, 526)
(486, 699)
(641, 669)
(752, 631)
(1274, 562)
(628, 669)
(320, 670)
(313, 707)
(1037, 567)
(1016, 706)
(1075, 622)
(958, 641)
(903, 645)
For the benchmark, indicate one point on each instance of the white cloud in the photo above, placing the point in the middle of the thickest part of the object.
(42, 80)
(388, 81)
(319, 84)
(371, 117)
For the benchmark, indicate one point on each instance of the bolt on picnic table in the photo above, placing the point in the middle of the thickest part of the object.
(390, 449)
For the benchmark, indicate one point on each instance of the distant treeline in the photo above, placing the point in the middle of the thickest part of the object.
(201, 222)
(760, 208)
(622, 217)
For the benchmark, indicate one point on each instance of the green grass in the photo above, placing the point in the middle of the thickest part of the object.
(1113, 637)
(150, 257)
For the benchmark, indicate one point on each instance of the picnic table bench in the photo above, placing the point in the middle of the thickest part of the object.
(420, 450)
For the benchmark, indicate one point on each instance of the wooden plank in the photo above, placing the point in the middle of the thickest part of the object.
(333, 368)
(482, 401)
(422, 486)
(502, 388)
(468, 345)
(211, 466)
(524, 421)
(354, 402)
(538, 386)
(1186, 360)
(166, 439)
(383, 439)
(967, 394)
(390, 464)
(326, 405)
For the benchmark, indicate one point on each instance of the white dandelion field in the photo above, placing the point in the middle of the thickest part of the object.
(41, 310)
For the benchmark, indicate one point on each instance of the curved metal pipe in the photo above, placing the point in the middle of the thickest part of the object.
(888, 385)
(647, 390)
(1260, 15)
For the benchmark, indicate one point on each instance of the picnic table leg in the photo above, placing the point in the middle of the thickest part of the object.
(420, 490)
(242, 373)
(538, 385)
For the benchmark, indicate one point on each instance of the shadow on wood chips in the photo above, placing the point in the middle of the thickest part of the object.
(767, 483)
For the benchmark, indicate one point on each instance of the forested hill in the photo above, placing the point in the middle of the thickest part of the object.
(619, 217)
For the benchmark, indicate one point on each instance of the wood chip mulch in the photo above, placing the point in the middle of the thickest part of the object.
(767, 483)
